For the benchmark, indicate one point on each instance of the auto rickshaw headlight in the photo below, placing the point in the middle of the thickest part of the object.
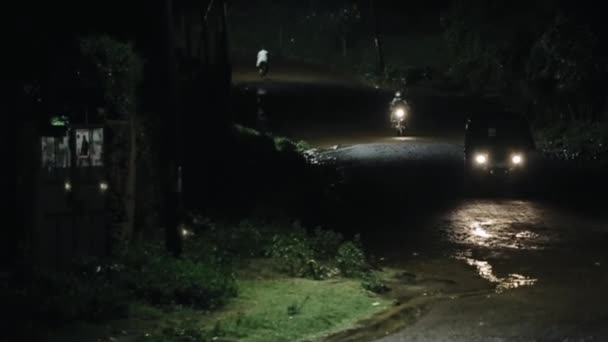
(481, 159)
(517, 159)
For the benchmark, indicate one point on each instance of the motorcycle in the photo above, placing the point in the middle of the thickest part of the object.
(399, 115)
(263, 69)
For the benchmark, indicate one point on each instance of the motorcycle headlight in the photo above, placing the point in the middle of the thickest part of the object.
(67, 186)
(517, 159)
(481, 159)
(400, 113)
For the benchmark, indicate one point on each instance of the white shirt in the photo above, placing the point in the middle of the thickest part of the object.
(262, 57)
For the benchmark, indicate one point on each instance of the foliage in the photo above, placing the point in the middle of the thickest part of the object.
(288, 28)
(565, 54)
(117, 67)
(163, 280)
(295, 255)
(565, 70)
(487, 40)
(541, 54)
(85, 294)
(581, 140)
(399, 77)
(373, 283)
(325, 243)
(148, 197)
(283, 144)
(113, 71)
(224, 244)
(351, 259)
(181, 331)
(320, 255)
(116, 147)
(283, 177)
(203, 280)
(246, 132)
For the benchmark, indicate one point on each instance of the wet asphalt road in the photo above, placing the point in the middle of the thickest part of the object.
(542, 252)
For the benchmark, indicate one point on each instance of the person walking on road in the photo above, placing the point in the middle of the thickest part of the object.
(262, 62)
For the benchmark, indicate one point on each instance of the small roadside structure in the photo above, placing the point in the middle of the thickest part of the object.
(70, 195)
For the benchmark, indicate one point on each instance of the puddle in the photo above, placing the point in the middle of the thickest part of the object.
(485, 270)
(514, 281)
(498, 224)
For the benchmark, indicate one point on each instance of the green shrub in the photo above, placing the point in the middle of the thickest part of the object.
(577, 140)
(224, 245)
(351, 259)
(180, 331)
(325, 243)
(319, 256)
(165, 280)
(248, 239)
(303, 146)
(294, 254)
(242, 131)
(66, 297)
(283, 144)
(371, 282)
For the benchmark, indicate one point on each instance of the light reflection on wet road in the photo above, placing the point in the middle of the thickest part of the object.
(491, 226)
(498, 224)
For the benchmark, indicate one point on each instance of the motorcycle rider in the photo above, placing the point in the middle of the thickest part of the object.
(399, 109)
(398, 100)
(262, 61)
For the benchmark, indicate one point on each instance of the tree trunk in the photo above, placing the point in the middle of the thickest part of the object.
(281, 41)
(171, 151)
(9, 241)
(204, 41)
(225, 64)
(188, 34)
(129, 224)
(377, 40)
(225, 45)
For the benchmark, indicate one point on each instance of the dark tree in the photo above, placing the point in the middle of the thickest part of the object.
(377, 37)
(171, 153)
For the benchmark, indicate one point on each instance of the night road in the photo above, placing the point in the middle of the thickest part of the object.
(312, 171)
(543, 266)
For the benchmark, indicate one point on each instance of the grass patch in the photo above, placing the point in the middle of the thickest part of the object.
(267, 310)
(251, 281)
(292, 309)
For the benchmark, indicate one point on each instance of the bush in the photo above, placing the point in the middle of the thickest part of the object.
(371, 282)
(283, 144)
(62, 298)
(585, 140)
(72, 298)
(224, 245)
(319, 256)
(351, 259)
(325, 243)
(295, 254)
(164, 280)
(182, 331)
